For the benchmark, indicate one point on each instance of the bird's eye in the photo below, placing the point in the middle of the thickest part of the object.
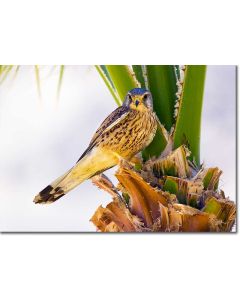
(129, 98)
(145, 97)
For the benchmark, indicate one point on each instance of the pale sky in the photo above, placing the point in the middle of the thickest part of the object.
(41, 139)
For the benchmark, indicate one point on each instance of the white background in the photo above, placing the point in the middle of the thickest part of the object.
(94, 266)
(42, 138)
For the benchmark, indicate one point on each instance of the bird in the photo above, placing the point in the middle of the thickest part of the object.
(124, 133)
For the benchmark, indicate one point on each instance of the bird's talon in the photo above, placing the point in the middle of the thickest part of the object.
(123, 163)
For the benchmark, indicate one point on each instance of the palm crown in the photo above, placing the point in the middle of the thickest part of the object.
(167, 189)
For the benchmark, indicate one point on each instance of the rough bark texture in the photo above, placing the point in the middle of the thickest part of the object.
(165, 195)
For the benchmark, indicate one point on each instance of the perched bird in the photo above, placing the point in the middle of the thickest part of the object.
(124, 133)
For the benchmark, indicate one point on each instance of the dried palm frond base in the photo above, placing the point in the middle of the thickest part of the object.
(167, 194)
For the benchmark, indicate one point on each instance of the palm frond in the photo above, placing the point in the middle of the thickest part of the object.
(37, 77)
(4, 72)
(60, 79)
(188, 122)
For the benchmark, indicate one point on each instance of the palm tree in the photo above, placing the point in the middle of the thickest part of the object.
(165, 188)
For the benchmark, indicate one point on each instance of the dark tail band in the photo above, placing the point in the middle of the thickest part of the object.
(49, 195)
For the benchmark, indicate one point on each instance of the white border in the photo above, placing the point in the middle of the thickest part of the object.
(119, 266)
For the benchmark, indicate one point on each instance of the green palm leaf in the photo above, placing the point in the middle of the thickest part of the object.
(188, 123)
(123, 79)
(162, 84)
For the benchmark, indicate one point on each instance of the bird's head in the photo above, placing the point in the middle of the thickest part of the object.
(139, 99)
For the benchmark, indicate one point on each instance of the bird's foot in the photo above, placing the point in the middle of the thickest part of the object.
(104, 183)
(123, 163)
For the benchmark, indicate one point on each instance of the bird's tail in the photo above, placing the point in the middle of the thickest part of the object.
(57, 189)
(95, 162)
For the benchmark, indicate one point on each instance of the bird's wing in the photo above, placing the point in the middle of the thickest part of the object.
(116, 116)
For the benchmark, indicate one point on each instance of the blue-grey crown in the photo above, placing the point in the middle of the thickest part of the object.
(137, 91)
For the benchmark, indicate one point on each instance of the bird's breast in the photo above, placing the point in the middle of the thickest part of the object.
(132, 134)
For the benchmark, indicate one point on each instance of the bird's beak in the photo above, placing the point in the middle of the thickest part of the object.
(136, 103)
